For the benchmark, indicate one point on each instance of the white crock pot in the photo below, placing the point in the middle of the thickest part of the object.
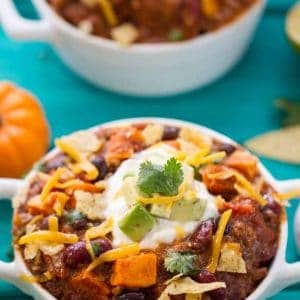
(281, 274)
(147, 69)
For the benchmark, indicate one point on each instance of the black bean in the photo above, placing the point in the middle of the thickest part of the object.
(100, 246)
(132, 296)
(77, 220)
(55, 162)
(44, 224)
(99, 162)
(170, 133)
(76, 254)
(228, 148)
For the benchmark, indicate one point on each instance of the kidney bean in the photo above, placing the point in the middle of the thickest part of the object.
(170, 133)
(202, 236)
(206, 277)
(132, 296)
(76, 254)
(100, 246)
(99, 162)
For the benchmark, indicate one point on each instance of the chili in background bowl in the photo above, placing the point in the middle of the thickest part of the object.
(280, 273)
(142, 69)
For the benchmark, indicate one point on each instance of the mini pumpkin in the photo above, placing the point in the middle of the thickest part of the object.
(24, 131)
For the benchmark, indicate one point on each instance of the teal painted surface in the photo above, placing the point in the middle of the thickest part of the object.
(239, 105)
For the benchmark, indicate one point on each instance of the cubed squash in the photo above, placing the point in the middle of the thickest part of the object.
(244, 162)
(135, 271)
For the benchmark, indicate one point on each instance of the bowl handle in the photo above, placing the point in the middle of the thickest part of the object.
(8, 188)
(20, 28)
(290, 272)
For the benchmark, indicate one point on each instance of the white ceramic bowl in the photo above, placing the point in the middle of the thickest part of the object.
(281, 274)
(148, 69)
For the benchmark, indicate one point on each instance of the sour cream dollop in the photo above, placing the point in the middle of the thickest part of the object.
(164, 230)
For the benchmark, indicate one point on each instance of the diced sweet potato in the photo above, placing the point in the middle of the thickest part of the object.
(219, 185)
(135, 271)
(37, 206)
(122, 144)
(243, 162)
(90, 285)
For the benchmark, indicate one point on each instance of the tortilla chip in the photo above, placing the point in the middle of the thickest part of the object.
(282, 145)
(83, 141)
(186, 285)
(231, 259)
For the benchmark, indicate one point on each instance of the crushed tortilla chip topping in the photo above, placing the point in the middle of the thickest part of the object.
(186, 285)
(231, 259)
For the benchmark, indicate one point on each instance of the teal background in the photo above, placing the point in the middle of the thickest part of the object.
(240, 105)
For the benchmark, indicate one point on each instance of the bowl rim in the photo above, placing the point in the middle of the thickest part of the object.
(47, 11)
(279, 257)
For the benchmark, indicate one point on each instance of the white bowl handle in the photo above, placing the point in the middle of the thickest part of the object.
(290, 273)
(8, 188)
(20, 28)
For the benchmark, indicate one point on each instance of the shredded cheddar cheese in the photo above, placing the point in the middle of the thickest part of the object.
(248, 187)
(53, 223)
(68, 184)
(82, 162)
(35, 219)
(180, 155)
(194, 137)
(114, 254)
(211, 158)
(95, 232)
(289, 195)
(48, 236)
(157, 199)
(217, 241)
(28, 278)
(60, 202)
(193, 159)
(180, 232)
(51, 183)
(108, 12)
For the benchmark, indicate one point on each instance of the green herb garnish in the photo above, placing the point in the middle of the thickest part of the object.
(164, 180)
(181, 263)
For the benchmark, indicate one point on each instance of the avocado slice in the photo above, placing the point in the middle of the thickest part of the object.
(137, 223)
(129, 190)
(161, 210)
(188, 210)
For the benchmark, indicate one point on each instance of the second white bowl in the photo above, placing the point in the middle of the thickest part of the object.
(143, 70)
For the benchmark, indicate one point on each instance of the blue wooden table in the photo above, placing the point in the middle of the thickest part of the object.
(239, 105)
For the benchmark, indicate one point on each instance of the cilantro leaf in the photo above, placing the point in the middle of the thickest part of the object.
(183, 263)
(162, 180)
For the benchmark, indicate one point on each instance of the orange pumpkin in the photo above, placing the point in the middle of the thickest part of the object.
(24, 131)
